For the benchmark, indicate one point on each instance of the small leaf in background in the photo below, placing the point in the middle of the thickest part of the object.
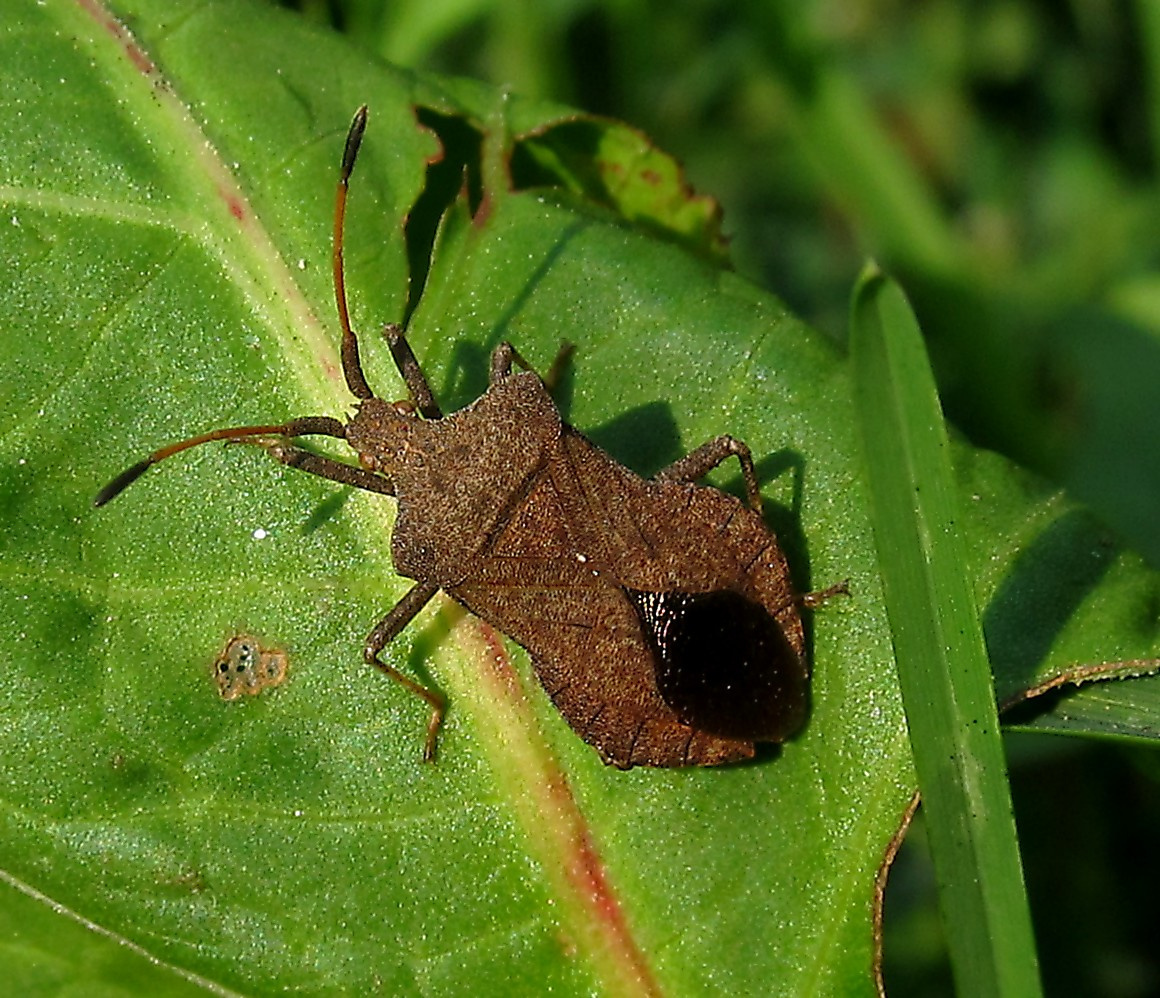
(611, 164)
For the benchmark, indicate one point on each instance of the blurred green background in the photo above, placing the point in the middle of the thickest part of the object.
(999, 157)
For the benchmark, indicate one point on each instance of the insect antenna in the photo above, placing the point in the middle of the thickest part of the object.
(351, 366)
(306, 426)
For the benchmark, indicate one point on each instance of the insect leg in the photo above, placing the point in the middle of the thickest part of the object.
(706, 457)
(501, 362)
(814, 600)
(505, 355)
(412, 373)
(559, 362)
(324, 467)
(404, 612)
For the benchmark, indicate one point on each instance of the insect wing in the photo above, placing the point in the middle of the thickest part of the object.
(723, 663)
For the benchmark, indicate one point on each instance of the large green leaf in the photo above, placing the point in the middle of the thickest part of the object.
(167, 199)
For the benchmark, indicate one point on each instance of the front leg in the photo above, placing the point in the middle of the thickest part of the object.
(385, 630)
(705, 458)
(413, 376)
(505, 355)
(324, 467)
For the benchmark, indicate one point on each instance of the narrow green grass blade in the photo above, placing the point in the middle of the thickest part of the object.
(938, 642)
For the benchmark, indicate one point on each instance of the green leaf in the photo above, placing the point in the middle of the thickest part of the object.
(938, 643)
(46, 949)
(167, 211)
(615, 165)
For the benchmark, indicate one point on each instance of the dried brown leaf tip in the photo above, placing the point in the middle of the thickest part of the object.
(245, 668)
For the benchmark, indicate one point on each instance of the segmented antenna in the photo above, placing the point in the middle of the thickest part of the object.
(351, 366)
(352, 370)
(130, 475)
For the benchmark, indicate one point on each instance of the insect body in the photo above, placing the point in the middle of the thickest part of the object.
(658, 613)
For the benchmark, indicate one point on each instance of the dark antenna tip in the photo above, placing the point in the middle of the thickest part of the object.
(122, 482)
(353, 140)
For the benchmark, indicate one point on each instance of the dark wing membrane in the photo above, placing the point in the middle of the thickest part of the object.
(724, 664)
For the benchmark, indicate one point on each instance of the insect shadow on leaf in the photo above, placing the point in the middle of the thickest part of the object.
(659, 614)
(325, 511)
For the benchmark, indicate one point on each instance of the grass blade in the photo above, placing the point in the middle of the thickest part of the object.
(938, 641)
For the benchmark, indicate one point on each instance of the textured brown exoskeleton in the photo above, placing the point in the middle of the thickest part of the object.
(659, 614)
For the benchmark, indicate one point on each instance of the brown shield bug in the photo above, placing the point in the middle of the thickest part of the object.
(659, 614)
